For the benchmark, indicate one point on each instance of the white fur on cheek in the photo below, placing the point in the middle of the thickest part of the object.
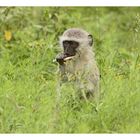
(61, 41)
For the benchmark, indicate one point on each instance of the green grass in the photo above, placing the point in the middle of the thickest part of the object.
(29, 101)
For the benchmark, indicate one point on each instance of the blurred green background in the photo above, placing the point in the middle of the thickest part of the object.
(29, 41)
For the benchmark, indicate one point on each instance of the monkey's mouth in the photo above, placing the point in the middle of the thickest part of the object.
(62, 58)
(68, 58)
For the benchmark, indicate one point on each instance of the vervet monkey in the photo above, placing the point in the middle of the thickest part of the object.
(77, 61)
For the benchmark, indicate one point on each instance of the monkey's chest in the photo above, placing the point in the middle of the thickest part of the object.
(74, 67)
(75, 72)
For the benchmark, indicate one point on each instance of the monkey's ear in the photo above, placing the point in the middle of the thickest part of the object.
(90, 38)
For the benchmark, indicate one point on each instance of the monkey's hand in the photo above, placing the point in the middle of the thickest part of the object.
(60, 59)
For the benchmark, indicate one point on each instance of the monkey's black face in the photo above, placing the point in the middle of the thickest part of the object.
(69, 51)
(70, 48)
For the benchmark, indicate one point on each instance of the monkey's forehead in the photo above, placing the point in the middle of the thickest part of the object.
(76, 33)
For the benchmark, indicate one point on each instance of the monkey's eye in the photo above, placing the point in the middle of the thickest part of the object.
(66, 43)
(73, 44)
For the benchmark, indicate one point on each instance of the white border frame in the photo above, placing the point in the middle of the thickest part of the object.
(70, 137)
(70, 3)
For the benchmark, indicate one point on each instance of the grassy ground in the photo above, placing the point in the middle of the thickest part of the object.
(28, 76)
